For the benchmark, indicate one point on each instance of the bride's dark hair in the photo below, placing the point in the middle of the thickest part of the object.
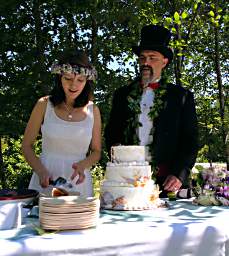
(72, 57)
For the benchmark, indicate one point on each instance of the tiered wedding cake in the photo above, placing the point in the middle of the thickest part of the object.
(127, 184)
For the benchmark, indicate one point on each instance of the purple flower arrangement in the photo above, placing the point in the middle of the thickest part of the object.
(216, 181)
(213, 187)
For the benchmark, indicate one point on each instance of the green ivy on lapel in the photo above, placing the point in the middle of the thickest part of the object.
(134, 107)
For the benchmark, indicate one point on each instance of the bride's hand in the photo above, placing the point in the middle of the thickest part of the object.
(78, 171)
(44, 179)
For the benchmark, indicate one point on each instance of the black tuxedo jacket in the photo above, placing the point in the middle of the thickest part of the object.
(175, 142)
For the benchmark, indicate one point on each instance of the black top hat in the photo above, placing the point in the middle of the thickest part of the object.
(156, 38)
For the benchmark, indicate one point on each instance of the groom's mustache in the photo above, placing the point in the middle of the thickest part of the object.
(148, 77)
(146, 67)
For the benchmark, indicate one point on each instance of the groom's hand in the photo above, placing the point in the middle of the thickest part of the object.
(172, 183)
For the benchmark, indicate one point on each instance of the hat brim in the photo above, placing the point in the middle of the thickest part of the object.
(166, 51)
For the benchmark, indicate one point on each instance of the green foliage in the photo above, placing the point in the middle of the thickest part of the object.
(33, 32)
(16, 170)
(97, 175)
(202, 154)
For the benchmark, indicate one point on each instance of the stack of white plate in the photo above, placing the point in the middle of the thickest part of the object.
(68, 212)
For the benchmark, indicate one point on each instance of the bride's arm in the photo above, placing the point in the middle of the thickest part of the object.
(30, 135)
(95, 147)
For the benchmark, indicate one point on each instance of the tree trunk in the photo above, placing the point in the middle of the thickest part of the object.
(2, 171)
(220, 85)
(72, 32)
(39, 41)
(187, 37)
(94, 52)
(178, 68)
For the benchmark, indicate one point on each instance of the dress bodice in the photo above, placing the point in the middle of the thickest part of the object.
(65, 139)
(65, 143)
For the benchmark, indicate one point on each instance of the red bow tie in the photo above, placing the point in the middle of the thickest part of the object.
(153, 85)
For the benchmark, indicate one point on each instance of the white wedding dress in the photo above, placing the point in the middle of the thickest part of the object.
(63, 143)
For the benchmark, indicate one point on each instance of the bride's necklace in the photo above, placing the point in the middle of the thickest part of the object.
(70, 112)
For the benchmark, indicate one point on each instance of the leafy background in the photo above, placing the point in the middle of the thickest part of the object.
(32, 33)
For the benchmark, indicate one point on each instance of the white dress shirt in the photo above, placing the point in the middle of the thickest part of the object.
(144, 131)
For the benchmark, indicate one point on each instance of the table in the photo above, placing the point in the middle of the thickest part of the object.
(183, 229)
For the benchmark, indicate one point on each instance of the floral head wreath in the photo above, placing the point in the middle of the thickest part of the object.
(59, 69)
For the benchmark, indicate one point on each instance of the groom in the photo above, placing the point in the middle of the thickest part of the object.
(152, 112)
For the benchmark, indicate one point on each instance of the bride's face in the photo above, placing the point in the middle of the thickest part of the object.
(73, 84)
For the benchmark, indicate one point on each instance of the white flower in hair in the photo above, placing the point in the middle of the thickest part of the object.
(59, 69)
(66, 68)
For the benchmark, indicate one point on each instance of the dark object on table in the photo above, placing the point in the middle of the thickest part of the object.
(61, 182)
(13, 194)
(185, 193)
(61, 186)
(172, 196)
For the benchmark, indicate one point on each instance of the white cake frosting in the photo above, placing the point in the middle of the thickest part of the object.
(127, 184)
(128, 154)
(127, 173)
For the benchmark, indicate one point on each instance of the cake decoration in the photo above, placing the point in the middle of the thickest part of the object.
(128, 184)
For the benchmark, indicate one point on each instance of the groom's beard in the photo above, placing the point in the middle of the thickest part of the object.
(146, 73)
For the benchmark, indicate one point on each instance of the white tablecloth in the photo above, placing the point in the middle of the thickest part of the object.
(183, 229)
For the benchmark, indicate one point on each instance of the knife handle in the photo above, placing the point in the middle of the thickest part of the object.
(51, 182)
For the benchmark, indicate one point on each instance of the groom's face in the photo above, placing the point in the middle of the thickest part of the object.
(151, 64)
